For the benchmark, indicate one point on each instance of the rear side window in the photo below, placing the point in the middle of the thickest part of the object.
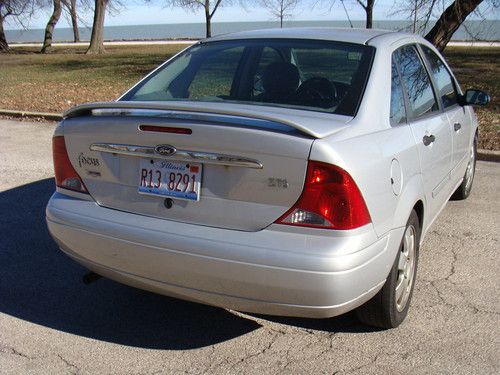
(444, 82)
(416, 81)
(398, 110)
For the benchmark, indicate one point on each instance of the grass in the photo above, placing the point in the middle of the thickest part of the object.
(479, 68)
(66, 77)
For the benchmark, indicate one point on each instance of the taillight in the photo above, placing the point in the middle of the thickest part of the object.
(65, 174)
(330, 199)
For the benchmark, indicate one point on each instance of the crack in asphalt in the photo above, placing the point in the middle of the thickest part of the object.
(10, 350)
(13, 351)
(253, 355)
(453, 271)
(73, 369)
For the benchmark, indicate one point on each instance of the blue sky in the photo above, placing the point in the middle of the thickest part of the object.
(135, 12)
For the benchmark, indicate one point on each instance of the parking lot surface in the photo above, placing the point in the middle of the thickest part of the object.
(51, 323)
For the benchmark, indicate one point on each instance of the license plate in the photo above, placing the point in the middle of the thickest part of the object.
(179, 180)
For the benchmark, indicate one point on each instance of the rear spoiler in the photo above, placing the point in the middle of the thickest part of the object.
(266, 118)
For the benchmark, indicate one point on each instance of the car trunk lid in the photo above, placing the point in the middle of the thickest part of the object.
(253, 168)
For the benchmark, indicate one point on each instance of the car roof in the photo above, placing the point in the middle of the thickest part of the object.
(358, 36)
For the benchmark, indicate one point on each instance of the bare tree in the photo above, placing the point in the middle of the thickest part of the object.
(347, 14)
(208, 6)
(280, 9)
(450, 16)
(367, 5)
(449, 21)
(97, 37)
(49, 30)
(19, 10)
(70, 6)
(419, 12)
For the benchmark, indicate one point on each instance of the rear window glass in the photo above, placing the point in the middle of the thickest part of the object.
(306, 74)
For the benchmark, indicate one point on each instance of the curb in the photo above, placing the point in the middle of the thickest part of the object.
(488, 155)
(26, 114)
(484, 155)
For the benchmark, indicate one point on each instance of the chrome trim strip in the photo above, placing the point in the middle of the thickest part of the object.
(180, 155)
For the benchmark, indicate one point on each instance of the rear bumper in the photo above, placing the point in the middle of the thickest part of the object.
(278, 270)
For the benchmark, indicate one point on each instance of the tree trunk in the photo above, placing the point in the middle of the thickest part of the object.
(49, 30)
(74, 21)
(450, 21)
(282, 14)
(4, 46)
(208, 19)
(415, 10)
(97, 38)
(369, 13)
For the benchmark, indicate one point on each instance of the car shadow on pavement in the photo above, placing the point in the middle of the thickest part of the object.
(38, 283)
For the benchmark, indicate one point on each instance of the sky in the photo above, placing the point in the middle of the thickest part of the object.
(136, 12)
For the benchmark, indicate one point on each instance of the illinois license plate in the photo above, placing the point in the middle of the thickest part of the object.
(174, 179)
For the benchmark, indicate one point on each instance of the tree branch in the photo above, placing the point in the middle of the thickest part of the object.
(215, 7)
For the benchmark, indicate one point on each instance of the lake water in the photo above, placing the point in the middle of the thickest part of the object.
(485, 30)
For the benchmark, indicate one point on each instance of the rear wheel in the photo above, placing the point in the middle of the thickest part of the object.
(390, 306)
(463, 191)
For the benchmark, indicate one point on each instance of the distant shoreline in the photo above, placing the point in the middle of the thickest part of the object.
(471, 30)
(188, 41)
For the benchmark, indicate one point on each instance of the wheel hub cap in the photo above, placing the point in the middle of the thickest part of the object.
(469, 173)
(406, 268)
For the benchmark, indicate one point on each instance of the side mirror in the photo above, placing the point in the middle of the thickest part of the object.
(475, 97)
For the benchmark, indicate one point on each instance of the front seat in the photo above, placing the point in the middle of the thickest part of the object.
(280, 81)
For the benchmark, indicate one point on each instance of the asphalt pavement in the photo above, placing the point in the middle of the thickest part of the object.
(51, 323)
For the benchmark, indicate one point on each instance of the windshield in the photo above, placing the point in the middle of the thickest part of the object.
(307, 74)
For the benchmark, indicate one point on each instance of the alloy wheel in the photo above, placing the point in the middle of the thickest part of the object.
(406, 268)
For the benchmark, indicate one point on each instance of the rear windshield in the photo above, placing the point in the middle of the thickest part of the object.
(315, 75)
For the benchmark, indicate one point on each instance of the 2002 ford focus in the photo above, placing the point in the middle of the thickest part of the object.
(288, 172)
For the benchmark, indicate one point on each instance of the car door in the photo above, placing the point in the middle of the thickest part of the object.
(429, 126)
(458, 118)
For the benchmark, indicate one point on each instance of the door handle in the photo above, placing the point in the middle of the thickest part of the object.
(428, 139)
(457, 126)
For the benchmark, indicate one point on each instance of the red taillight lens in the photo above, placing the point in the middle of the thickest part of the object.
(330, 199)
(65, 174)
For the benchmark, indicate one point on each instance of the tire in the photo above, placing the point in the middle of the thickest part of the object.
(463, 191)
(388, 308)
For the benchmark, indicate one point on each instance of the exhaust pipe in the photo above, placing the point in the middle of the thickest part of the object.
(90, 277)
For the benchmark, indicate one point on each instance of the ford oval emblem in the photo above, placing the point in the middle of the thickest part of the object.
(165, 150)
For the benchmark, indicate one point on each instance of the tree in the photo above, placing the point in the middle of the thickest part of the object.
(449, 21)
(367, 5)
(49, 30)
(97, 37)
(208, 6)
(19, 10)
(71, 8)
(450, 16)
(280, 9)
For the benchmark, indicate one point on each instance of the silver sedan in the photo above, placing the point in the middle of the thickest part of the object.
(288, 172)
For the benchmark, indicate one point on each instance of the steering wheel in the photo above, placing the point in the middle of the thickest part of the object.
(318, 90)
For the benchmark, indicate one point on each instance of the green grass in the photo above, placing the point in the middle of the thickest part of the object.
(66, 77)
